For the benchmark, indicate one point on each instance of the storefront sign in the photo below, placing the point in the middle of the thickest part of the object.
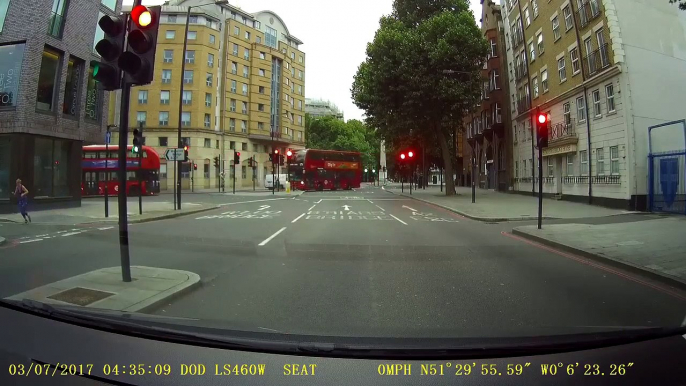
(11, 58)
(548, 151)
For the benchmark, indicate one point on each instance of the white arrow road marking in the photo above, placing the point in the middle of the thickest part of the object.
(414, 210)
(397, 219)
(298, 218)
(346, 207)
(268, 239)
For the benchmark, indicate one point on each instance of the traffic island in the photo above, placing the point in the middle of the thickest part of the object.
(104, 289)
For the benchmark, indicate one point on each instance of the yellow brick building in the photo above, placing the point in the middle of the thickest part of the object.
(250, 102)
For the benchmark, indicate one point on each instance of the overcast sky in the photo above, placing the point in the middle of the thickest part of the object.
(335, 36)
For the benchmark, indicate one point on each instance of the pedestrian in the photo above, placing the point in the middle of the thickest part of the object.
(22, 200)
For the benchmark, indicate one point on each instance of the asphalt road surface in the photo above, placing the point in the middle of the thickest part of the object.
(353, 263)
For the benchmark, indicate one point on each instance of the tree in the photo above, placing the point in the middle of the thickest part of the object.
(682, 4)
(402, 86)
(329, 133)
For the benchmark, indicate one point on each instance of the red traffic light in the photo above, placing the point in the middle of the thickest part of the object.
(185, 148)
(402, 156)
(542, 118)
(289, 153)
(142, 16)
(195, 166)
(276, 151)
(410, 154)
(238, 154)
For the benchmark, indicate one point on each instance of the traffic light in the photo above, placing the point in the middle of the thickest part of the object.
(195, 166)
(281, 159)
(138, 62)
(542, 123)
(236, 158)
(410, 154)
(137, 142)
(289, 153)
(250, 162)
(107, 71)
(275, 156)
(271, 157)
(216, 162)
(402, 156)
(185, 153)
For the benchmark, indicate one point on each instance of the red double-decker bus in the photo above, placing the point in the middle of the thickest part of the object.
(95, 165)
(312, 169)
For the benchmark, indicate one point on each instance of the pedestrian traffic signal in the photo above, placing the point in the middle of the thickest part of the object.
(185, 153)
(542, 122)
(137, 142)
(107, 71)
(195, 166)
(236, 158)
(138, 62)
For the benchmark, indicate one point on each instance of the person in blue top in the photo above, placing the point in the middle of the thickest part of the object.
(23, 200)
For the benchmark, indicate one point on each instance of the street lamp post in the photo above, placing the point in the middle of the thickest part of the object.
(183, 70)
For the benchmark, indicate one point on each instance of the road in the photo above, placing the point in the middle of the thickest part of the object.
(361, 263)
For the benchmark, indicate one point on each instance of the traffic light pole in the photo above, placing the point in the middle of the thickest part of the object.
(121, 198)
(540, 186)
(107, 173)
(183, 71)
(140, 177)
(234, 175)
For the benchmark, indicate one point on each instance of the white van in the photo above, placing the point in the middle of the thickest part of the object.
(280, 180)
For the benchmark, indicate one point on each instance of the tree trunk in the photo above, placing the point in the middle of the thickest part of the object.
(447, 161)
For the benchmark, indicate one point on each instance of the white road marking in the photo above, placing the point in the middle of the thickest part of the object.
(346, 207)
(298, 218)
(29, 241)
(248, 202)
(312, 207)
(105, 228)
(37, 236)
(397, 219)
(263, 207)
(61, 232)
(414, 210)
(268, 239)
(71, 233)
(370, 201)
(320, 200)
(380, 208)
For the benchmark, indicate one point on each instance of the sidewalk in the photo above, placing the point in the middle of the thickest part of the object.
(104, 289)
(656, 246)
(92, 211)
(497, 206)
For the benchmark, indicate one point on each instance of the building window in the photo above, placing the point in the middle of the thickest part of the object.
(583, 155)
(192, 35)
(232, 126)
(614, 160)
(190, 56)
(261, 89)
(260, 126)
(171, 18)
(216, 143)
(187, 97)
(244, 146)
(245, 71)
(574, 56)
(212, 39)
(532, 52)
(233, 86)
(562, 72)
(236, 31)
(245, 89)
(244, 129)
(244, 110)
(534, 6)
(261, 72)
(556, 28)
(544, 80)
(11, 59)
(580, 109)
(244, 172)
(567, 113)
(164, 121)
(57, 18)
(246, 54)
(185, 118)
(570, 164)
(516, 169)
(207, 121)
(164, 97)
(602, 49)
(610, 95)
(188, 76)
(494, 48)
(71, 87)
(210, 60)
(527, 18)
(208, 100)
(166, 76)
(300, 75)
(551, 167)
(258, 40)
(596, 103)
(193, 20)
(170, 34)
(569, 23)
(247, 35)
(263, 56)
(600, 161)
(208, 79)
(539, 39)
(141, 117)
(232, 105)
(235, 49)
(534, 82)
(142, 97)
(271, 37)
(234, 68)
(47, 80)
(162, 141)
(260, 107)
(51, 167)
(168, 56)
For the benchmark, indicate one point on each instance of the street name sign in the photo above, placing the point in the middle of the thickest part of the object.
(174, 155)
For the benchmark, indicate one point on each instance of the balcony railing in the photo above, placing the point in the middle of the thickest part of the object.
(609, 180)
(56, 26)
(523, 105)
(517, 37)
(521, 71)
(589, 11)
(562, 130)
(597, 60)
(575, 180)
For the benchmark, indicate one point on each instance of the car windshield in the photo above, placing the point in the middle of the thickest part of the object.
(359, 169)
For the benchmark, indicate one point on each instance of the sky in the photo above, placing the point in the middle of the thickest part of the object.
(335, 35)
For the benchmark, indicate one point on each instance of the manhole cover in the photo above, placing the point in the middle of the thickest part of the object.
(80, 296)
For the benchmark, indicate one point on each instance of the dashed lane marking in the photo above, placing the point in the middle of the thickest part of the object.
(398, 219)
(268, 239)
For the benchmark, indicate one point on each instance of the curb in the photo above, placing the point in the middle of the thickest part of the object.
(2, 240)
(470, 216)
(637, 269)
(151, 219)
(168, 295)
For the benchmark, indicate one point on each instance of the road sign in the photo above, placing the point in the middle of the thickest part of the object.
(174, 155)
(108, 137)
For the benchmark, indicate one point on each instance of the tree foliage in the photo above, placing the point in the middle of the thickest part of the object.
(682, 4)
(329, 133)
(402, 86)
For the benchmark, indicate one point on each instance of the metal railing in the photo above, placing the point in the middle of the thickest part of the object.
(597, 60)
(56, 26)
(562, 130)
(523, 105)
(517, 37)
(609, 180)
(589, 11)
(521, 70)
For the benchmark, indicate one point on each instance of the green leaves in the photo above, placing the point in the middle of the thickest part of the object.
(332, 134)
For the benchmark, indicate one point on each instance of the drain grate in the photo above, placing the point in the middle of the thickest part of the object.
(80, 296)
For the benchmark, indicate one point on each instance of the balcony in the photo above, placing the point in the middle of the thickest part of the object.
(589, 11)
(517, 37)
(521, 70)
(523, 105)
(597, 60)
(56, 26)
(562, 133)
